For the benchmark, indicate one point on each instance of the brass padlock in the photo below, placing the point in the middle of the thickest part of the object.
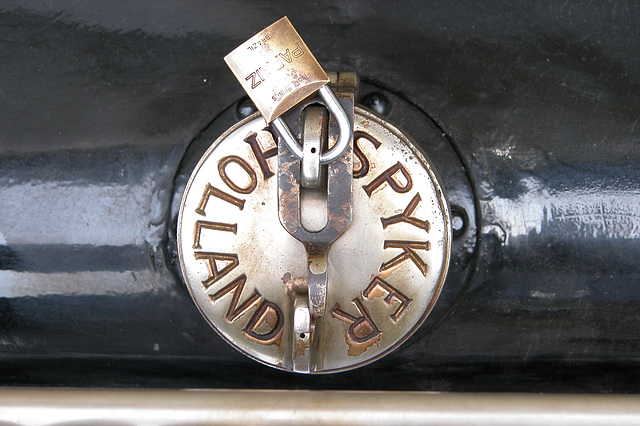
(276, 69)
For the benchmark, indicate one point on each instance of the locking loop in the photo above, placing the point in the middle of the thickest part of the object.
(344, 124)
(288, 137)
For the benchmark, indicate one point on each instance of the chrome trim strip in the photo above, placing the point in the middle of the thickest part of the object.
(197, 407)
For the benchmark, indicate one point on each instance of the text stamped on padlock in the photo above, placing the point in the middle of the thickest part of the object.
(276, 69)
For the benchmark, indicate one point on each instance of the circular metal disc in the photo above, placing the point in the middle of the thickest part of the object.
(384, 274)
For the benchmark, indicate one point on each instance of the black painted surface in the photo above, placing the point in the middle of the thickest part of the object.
(99, 101)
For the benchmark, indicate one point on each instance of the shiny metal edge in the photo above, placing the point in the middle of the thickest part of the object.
(56, 406)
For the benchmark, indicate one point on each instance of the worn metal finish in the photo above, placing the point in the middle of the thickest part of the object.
(105, 108)
(247, 274)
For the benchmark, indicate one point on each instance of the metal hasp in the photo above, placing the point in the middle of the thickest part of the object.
(334, 196)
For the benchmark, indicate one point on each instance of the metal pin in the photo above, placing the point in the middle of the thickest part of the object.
(314, 133)
(302, 330)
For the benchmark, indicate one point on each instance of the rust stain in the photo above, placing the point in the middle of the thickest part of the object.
(301, 348)
(356, 348)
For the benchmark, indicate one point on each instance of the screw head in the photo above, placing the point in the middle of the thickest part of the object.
(458, 221)
(377, 102)
(245, 108)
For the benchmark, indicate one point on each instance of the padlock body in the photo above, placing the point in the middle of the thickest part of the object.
(276, 69)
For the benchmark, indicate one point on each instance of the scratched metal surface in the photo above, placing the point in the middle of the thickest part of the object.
(100, 101)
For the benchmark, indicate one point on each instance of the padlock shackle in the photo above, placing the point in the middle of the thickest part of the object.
(344, 124)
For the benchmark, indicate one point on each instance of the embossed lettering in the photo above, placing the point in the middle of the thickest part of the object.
(408, 253)
(215, 226)
(379, 288)
(297, 52)
(267, 316)
(216, 274)
(213, 191)
(362, 331)
(286, 56)
(255, 77)
(406, 216)
(222, 169)
(234, 312)
(260, 154)
(362, 169)
(388, 176)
